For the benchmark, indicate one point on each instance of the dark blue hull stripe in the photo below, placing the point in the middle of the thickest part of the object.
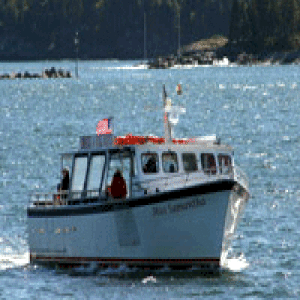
(96, 208)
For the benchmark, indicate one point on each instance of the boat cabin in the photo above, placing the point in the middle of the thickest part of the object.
(148, 166)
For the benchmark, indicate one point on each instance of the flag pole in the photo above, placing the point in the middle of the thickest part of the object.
(112, 125)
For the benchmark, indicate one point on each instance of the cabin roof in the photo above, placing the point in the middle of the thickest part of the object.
(96, 143)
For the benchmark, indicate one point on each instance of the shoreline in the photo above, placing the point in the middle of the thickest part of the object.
(212, 57)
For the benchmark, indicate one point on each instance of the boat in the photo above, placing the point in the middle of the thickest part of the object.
(224, 62)
(179, 212)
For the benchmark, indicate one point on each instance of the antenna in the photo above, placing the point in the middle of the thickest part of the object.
(171, 116)
(168, 135)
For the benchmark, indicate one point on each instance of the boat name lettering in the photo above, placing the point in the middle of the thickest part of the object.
(175, 208)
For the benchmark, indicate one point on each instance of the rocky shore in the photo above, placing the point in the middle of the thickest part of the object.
(217, 51)
(47, 73)
(213, 51)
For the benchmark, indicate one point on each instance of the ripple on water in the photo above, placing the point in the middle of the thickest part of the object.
(254, 109)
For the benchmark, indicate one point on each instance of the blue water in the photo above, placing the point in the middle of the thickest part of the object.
(255, 109)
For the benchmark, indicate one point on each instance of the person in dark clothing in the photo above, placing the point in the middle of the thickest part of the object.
(63, 186)
(150, 166)
(118, 189)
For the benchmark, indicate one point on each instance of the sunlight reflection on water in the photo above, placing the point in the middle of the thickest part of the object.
(256, 110)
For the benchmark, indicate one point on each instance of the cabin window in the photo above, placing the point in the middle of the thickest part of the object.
(208, 163)
(189, 162)
(95, 174)
(79, 172)
(150, 163)
(225, 165)
(170, 162)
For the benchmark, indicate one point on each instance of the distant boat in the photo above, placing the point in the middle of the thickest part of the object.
(173, 61)
(224, 62)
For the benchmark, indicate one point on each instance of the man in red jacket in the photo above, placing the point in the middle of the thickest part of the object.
(118, 189)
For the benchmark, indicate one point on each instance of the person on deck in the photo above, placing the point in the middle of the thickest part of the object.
(118, 189)
(63, 186)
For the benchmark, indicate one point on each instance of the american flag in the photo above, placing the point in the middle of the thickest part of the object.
(104, 127)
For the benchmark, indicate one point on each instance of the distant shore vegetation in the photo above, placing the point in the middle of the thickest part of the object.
(46, 29)
(265, 25)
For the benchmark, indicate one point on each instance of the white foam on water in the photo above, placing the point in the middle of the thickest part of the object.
(235, 264)
(149, 279)
(9, 261)
(126, 67)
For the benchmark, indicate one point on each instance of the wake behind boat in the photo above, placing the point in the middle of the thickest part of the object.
(140, 202)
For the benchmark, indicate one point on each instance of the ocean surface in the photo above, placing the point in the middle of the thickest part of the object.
(255, 109)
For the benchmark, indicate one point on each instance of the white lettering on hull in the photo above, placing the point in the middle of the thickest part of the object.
(176, 208)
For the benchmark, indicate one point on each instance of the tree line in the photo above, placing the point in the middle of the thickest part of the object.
(264, 25)
(109, 28)
(115, 28)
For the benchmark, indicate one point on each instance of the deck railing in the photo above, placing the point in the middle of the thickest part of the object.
(141, 186)
(61, 198)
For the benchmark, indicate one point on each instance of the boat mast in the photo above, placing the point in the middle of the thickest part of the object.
(145, 32)
(178, 27)
(145, 36)
(167, 125)
(171, 116)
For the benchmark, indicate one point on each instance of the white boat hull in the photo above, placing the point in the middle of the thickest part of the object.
(180, 231)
